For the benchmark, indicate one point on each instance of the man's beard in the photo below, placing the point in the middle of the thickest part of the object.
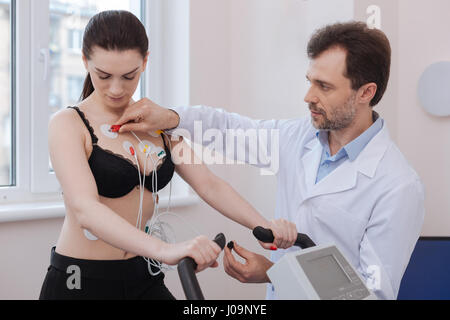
(340, 118)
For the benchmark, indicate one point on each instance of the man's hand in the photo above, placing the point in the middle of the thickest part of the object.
(254, 269)
(147, 116)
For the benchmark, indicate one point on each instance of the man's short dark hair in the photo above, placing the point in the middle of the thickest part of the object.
(368, 53)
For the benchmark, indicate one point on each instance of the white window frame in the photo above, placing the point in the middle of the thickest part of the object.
(71, 38)
(37, 194)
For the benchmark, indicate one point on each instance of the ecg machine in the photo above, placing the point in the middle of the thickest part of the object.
(317, 273)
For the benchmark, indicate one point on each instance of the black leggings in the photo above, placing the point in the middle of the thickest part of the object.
(69, 278)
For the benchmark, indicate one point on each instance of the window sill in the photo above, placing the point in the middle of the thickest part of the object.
(51, 210)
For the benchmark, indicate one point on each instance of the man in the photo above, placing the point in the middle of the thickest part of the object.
(341, 179)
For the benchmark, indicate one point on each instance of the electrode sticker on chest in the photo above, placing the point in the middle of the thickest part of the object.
(89, 235)
(160, 153)
(146, 146)
(107, 132)
(128, 147)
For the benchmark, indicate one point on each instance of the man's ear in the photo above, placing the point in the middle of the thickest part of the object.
(367, 92)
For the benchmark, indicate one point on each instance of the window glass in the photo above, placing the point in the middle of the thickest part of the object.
(6, 152)
(68, 19)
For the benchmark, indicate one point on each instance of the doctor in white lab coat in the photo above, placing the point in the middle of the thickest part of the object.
(341, 179)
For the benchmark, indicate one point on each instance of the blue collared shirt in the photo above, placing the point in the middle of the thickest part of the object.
(350, 151)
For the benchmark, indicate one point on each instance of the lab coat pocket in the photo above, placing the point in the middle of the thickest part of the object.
(335, 225)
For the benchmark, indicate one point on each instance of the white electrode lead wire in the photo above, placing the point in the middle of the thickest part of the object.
(157, 227)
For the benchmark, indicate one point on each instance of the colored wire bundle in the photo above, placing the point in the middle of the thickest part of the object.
(156, 227)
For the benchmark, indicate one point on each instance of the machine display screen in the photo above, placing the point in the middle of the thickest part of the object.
(325, 274)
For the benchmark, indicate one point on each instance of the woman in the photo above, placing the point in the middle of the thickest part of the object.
(99, 174)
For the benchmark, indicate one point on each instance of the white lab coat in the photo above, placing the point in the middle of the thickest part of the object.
(371, 208)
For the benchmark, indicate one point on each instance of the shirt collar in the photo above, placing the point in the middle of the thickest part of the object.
(354, 148)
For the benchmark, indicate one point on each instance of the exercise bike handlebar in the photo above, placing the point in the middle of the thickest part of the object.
(186, 270)
(266, 235)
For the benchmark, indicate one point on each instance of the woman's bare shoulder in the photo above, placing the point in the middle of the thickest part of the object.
(66, 121)
(65, 116)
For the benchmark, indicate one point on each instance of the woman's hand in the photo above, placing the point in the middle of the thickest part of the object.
(146, 116)
(204, 252)
(284, 232)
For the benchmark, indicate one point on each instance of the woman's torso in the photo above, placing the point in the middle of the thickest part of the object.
(72, 240)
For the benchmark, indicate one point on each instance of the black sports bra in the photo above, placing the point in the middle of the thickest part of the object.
(115, 175)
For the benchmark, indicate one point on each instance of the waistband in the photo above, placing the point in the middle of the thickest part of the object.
(134, 268)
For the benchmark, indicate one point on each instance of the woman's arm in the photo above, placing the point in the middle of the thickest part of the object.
(69, 159)
(222, 197)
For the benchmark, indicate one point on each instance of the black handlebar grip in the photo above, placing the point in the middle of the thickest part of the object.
(266, 235)
(191, 287)
(186, 271)
(263, 235)
(220, 240)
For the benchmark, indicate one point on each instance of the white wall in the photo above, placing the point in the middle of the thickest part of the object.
(25, 256)
(425, 139)
(419, 35)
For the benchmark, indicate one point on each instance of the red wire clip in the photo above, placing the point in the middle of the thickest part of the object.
(115, 128)
(132, 151)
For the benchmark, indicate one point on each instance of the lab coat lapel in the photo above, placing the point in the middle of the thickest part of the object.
(310, 163)
(370, 157)
(345, 176)
(341, 179)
